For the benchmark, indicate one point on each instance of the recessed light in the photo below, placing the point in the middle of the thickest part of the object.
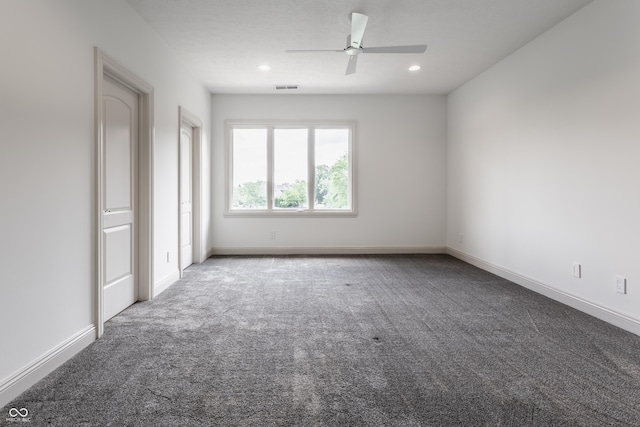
(264, 67)
(414, 68)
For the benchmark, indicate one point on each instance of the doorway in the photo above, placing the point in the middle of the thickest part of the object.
(190, 138)
(123, 134)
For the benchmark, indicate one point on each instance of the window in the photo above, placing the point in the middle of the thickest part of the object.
(290, 169)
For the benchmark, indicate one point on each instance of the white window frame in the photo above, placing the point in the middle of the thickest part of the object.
(310, 210)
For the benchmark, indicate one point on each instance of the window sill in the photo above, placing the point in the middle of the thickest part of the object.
(289, 214)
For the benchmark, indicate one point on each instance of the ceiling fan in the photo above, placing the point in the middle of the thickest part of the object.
(355, 48)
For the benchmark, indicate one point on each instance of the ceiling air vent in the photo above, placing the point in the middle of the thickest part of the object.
(286, 87)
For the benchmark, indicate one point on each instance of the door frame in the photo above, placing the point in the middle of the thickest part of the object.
(187, 118)
(105, 66)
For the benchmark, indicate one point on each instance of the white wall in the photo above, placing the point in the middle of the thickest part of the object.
(543, 162)
(47, 163)
(400, 155)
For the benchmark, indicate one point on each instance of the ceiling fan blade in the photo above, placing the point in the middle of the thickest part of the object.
(418, 48)
(311, 50)
(358, 25)
(351, 65)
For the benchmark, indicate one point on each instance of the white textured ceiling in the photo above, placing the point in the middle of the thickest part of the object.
(223, 42)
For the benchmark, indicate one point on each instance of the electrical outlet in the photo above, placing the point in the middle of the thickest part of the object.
(167, 256)
(621, 284)
(272, 235)
(577, 270)
(460, 238)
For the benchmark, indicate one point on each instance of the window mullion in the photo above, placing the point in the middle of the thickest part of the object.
(270, 168)
(311, 167)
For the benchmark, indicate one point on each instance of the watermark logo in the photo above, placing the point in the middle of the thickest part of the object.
(19, 415)
(13, 412)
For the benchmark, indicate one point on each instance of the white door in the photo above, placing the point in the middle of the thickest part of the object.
(186, 196)
(120, 156)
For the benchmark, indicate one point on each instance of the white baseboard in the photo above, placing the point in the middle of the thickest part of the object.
(18, 383)
(164, 283)
(326, 250)
(588, 307)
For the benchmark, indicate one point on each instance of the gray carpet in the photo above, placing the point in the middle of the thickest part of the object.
(423, 340)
